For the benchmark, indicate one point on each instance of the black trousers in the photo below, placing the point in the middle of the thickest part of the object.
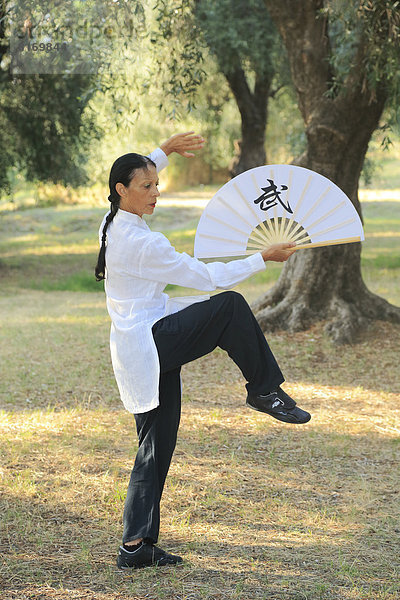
(226, 320)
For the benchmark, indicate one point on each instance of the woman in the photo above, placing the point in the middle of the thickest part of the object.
(153, 335)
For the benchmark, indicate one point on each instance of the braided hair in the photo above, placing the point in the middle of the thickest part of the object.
(122, 171)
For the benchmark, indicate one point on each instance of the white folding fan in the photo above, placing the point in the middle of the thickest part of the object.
(275, 203)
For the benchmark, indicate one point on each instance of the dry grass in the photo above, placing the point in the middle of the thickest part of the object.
(258, 509)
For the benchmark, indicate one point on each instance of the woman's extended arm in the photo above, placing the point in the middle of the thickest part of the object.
(157, 260)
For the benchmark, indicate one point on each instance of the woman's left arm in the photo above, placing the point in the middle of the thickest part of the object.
(157, 260)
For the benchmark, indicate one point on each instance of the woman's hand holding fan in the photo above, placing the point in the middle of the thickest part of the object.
(279, 252)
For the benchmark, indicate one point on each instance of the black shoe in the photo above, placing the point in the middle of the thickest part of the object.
(146, 555)
(280, 406)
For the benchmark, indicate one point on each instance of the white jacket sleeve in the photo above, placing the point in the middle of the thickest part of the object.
(160, 158)
(159, 261)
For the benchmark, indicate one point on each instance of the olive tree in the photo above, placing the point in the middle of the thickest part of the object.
(242, 39)
(344, 59)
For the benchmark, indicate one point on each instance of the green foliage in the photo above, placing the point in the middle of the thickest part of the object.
(47, 121)
(90, 35)
(216, 117)
(45, 131)
(381, 26)
(371, 28)
(240, 34)
(237, 34)
(177, 36)
(242, 40)
(365, 38)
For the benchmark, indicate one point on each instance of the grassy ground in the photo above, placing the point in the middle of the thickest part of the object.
(258, 509)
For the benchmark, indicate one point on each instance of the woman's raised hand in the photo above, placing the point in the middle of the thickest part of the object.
(182, 143)
(279, 252)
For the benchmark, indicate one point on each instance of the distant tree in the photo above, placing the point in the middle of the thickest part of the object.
(44, 131)
(244, 41)
(45, 124)
(344, 58)
(241, 37)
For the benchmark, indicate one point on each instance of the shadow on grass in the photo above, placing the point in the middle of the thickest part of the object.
(258, 509)
(52, 551)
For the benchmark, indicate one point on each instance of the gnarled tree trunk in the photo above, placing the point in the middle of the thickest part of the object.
(253, 111)
(326, 283)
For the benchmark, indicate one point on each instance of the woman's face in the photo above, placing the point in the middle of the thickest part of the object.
(140, 197)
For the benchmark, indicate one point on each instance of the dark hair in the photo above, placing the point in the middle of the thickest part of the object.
(122, 171)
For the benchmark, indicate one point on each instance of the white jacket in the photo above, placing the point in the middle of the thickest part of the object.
(139, 265)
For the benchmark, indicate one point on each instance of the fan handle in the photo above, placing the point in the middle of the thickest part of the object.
(329, 243)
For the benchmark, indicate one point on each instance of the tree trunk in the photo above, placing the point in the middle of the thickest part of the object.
(325, 283)
(253, 111)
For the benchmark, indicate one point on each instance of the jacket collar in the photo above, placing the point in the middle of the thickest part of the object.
(124, 215)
